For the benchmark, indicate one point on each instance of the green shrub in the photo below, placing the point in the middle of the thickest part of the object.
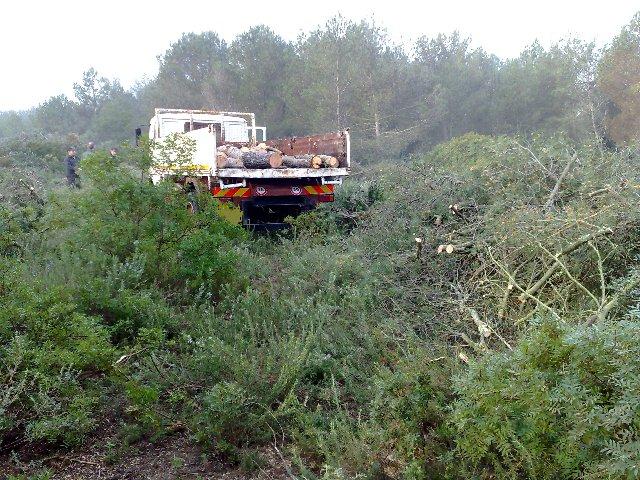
(249, 384)
(123, 216)
(410, 410)
(564, 404)
(37, 150)
(124, 310)
(229, 416)
(10, 232)
(49, 351)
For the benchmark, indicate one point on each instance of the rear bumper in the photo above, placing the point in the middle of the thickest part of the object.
(267, 190)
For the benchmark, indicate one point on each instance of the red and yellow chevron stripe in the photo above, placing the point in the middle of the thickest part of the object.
(241, 192)
(319, 189)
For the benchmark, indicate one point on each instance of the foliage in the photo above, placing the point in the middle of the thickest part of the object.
(142, 226)
(116, 262)
(564, 404)
(619, 80)
(48, 349)
(194, 73)
(353, 343)
(411, 409)
(351, 74)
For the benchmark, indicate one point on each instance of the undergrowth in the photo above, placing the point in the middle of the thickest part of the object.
(345, 343)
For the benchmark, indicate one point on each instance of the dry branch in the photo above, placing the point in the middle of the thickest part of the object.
(556, 187)
(556, 264)
(615, 299)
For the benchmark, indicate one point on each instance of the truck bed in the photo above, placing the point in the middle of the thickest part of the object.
(282, 172)
(336, 144)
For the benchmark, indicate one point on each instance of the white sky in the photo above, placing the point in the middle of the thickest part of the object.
(46, 45)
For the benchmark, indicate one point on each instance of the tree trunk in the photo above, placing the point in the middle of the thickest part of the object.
(316, 161)
(230, 151)
(224, 161)
(299, 161)
(261, 159)
(328, 161)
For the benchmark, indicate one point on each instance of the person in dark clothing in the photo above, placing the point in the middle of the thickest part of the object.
(72, 163)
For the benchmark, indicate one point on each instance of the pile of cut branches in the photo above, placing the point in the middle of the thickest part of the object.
(510, 230)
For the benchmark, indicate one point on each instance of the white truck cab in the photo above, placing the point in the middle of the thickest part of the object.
(231, 127)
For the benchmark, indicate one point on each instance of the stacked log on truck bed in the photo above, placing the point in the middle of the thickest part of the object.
(262, 156)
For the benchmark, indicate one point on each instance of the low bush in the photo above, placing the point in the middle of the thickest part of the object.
(564, 404)
(52, 356)
(353, 343)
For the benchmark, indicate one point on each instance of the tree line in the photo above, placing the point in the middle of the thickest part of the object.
(350, 74)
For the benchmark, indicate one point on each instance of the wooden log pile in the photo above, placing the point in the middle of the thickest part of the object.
(262, 156)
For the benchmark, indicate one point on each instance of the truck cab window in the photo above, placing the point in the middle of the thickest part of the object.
(196, 126)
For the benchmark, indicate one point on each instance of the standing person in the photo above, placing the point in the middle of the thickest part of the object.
(89, 150)
(72, 163)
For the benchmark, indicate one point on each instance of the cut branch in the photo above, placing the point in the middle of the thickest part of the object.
(556, 188)
(616, 298)
(556, 265)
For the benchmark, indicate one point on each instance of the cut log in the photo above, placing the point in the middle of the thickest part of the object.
(261, 159)
(273, 149)
(299, 161)
(329, 162)
(224, 161)
(233, 152)
(316, 161)
(264, 156)
(275, 159)
(450, 248)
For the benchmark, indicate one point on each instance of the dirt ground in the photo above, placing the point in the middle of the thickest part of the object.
(173, 457)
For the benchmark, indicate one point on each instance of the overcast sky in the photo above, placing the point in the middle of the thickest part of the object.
(46, 45)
